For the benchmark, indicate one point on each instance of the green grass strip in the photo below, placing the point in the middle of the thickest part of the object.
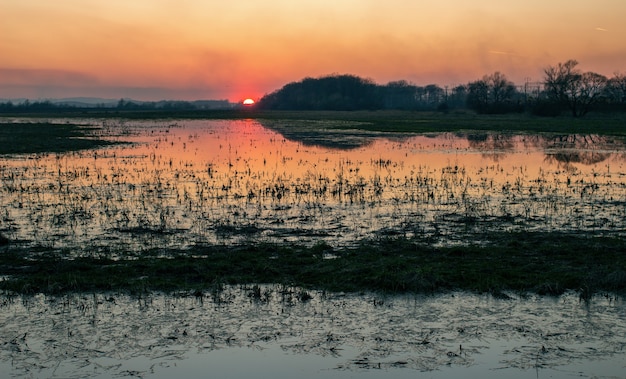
(33, 138)
(543, 263)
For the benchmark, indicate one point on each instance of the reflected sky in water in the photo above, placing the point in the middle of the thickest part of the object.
(194, 182)
(231, 332)
(182, 183)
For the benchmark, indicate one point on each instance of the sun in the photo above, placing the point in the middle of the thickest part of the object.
(248, 102)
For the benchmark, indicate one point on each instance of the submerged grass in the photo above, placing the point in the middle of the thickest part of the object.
(543, 263)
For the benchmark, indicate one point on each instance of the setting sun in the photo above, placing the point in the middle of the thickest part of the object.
(248, 102)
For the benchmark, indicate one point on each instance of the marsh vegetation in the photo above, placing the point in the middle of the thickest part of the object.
(302, 200)
(146, 246)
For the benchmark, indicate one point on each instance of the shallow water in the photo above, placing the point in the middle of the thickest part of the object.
(272, 332)
(195, 182)
(183, 183)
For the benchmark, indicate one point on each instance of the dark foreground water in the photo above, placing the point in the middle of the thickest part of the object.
(279, 332)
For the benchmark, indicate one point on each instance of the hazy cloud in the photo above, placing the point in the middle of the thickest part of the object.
(42, 83)
(248, 48)
(44, 77)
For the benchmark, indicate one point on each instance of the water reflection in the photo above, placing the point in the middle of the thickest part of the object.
(273, 331)
(323, 133)
(196, 182)
(584, 149)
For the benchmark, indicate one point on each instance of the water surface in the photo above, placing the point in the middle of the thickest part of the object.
(178, 184)
(194, 182)
(272, 332)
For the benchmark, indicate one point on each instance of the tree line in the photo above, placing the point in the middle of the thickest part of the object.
(45, 106)
(564, 88)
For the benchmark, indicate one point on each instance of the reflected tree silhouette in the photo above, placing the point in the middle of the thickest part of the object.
(584, 149)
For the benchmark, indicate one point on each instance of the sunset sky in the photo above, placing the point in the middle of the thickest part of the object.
(233, 49)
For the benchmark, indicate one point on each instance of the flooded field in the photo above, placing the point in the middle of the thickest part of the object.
(185, 184)
(179, 184)
(282, 332)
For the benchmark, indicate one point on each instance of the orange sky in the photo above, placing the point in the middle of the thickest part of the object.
(232, 49)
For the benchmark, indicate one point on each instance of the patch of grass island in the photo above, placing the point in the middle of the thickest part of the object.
(45, 137)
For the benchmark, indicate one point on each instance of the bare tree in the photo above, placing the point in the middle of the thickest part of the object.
(478, 96)
(458, 96)
(492, 94)
(400, 95)
(434, 93)
(502, 89)
(615, 89)
(567, 85)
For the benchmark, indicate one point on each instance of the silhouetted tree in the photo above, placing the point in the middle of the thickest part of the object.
(615, 89)
(27, 106)
(492, 94)
(458, 96)
(478, 96)
(8, 106)
(400, 95)
(42, 106)
(433, 94)
(336, 92)
(570, 87)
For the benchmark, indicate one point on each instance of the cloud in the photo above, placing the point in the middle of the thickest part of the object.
(498, 52)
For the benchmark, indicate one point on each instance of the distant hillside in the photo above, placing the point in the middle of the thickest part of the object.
(85, 102)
